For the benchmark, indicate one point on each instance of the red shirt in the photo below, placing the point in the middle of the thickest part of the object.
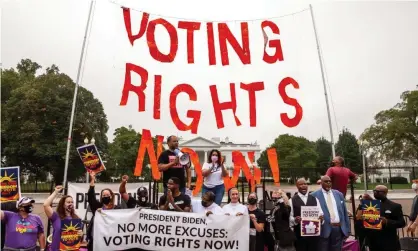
(340, 177)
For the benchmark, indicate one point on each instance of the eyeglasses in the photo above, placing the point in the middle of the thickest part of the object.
(326, 181)
(378, 191)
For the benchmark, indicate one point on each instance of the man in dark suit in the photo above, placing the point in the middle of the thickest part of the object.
(391, 215)
(336, 226)
(6, 206)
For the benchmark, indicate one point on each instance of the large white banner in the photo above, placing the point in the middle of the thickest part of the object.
(79, 193)
(165, 230)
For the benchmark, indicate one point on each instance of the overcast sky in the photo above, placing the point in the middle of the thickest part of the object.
(369, 49)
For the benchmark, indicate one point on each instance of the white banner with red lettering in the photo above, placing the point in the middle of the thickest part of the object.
(165, 230)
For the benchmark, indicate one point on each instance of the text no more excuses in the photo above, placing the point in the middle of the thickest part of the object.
(225, 37)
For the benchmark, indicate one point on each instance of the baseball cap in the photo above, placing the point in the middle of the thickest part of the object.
(24, 200)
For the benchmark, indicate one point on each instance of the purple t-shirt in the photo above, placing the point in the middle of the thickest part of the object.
(56, 234)
(22, 233)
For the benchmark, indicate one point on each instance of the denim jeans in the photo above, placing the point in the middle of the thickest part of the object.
(182, 190)
(218, 190)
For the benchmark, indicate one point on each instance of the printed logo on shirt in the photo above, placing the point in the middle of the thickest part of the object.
(215, 169)
(25, 227)
(172, 159)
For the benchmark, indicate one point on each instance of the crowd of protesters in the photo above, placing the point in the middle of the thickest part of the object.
(277, 230)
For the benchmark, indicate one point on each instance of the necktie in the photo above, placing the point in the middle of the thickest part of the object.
(330, 207)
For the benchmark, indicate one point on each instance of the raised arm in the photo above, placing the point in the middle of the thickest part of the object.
(2, 215)
(122, 188)
(48, 202)
(91, 195)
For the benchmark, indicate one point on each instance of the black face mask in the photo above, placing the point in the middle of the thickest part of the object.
(28, 209)
(106, 200)
(142, 200)
(205, 203)
(332, 164)
(252, 201)
(379, 196)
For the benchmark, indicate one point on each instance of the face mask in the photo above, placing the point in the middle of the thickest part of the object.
(106, 200)
(252, 201)
(379, 196)
(332, 164)
(69, 208)
(28, 209)
(144, 199)
(214, 158)
(415, 186)
(204, 203)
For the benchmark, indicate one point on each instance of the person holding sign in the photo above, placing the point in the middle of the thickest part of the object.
(175, 200)
(65, 210)
(234, 207)
(336, 225)
(23, 229)
(391, 215)
(303, 198)
(257, 221)
(213, 172)
(106, 202)
(168, 163)
(142, 194)
(207, 205)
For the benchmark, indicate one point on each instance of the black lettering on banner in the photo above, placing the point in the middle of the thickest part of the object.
(221, 245)
(176, 242)
(127, 240)
(200, 232)
(81, 199)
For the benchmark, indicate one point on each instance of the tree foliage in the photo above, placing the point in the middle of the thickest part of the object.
(35, 118)
(348, 148)
(292, 152)
(394, 135)
(324, 150)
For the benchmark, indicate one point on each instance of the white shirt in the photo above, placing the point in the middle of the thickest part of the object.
(304, 198)
(215, 177)
(234, 208)
(214, 208)
(334, 205)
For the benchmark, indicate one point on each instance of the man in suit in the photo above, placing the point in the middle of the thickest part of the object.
(391, 215)
(302, 198)
(336, 226)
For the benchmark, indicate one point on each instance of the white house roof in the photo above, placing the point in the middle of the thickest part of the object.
(199, 141)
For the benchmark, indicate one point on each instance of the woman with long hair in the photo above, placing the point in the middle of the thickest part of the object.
(234, 207)
(65, 210)
(213, 172)
(106, 202)
(23, 229)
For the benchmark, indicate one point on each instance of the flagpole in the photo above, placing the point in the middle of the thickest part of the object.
(77, 83)
(323, 82)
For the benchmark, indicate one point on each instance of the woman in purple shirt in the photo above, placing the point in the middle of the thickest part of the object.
(65, 210)
(23, 229)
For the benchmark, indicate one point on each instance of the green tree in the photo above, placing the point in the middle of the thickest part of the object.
(324, 151)
(394, 135)
(36, 116)
(123, 152)
(348, 148)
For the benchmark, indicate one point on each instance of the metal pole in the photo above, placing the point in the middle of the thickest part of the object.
(364, 172)
(323, 82)
(70, 130)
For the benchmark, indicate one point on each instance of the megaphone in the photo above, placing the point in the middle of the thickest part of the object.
(184, 158)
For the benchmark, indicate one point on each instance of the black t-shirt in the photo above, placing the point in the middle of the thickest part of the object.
(182, 201)
(261, 218)
(175, 171)
(132, 203)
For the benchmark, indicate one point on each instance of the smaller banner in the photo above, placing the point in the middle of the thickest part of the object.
(164, 230)
(70, 238)
(91, 158)
(310, 223)
(371, 214)
(10, 183)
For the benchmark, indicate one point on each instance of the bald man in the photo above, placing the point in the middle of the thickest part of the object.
(340, 175)
(302, 198)
(391, 214)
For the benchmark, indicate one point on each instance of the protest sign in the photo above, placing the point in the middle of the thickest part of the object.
(70, 238)
(310, 223)
(371, 214)
(79, 193)
(10, 183)
(91, 159)
(165, 230)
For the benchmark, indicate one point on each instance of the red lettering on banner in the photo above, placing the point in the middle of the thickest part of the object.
(274, 43)
(290, 122)
(198, 169)
(252, 88)
(193, 114)
(157, 97)
(218, 106)
(225, 35)
(191, 27)
(147, 144)
(128, 25)
(274, 165)
(129, 87)
(152, 46)
(211, 44)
